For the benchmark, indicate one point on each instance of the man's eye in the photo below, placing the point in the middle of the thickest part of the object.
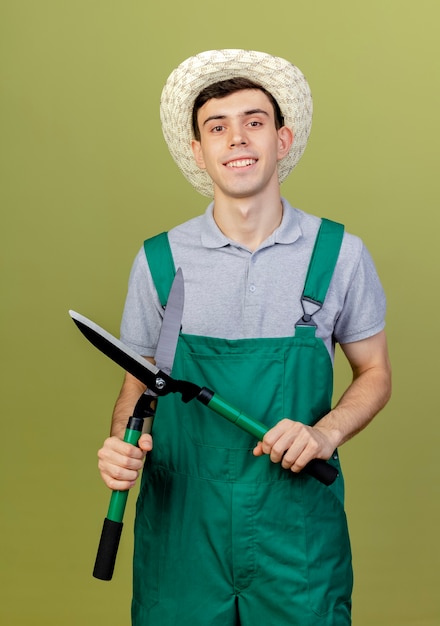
(254, 123)
(217, 129)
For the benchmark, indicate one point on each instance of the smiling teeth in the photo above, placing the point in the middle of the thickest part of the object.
(241, 163)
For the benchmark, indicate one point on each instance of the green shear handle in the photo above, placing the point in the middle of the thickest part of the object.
(318, 468)
(112, 527)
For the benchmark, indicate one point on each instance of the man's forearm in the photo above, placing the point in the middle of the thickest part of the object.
(364, 398)
(131, 391)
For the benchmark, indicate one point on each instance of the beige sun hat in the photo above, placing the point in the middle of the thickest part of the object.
(283, 80)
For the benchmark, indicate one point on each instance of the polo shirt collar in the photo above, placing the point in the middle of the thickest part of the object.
(287, 232)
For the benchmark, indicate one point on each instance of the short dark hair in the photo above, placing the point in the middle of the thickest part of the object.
(225, 88)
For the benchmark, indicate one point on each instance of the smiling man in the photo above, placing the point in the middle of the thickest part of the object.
(230, 531)
(239, 146)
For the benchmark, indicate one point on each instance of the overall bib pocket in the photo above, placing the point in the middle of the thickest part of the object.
(238, 378)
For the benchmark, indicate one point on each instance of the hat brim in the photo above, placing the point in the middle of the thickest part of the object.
(280, 78)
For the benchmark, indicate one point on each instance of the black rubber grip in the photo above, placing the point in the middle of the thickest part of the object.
(107, 550)
(322, 471)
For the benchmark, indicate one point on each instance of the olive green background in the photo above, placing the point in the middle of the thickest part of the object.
(86, 176)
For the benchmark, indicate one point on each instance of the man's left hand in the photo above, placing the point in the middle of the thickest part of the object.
(294, 444)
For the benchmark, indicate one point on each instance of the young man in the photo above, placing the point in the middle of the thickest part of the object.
(230, 531)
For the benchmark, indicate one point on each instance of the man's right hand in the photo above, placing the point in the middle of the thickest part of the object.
(120, 463)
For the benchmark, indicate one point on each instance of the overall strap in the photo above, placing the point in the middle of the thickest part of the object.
(161, 263)
(322, 264)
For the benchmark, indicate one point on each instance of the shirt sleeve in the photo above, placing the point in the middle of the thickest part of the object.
(363, 312)
(143, 313)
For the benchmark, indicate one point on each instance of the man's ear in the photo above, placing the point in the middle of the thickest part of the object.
(198, 154)
(285, 140)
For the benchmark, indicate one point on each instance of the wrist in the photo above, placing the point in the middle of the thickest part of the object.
(332, 433)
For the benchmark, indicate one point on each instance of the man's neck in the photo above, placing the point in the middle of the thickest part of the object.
(248, 221)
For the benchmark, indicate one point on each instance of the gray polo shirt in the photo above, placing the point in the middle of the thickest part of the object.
(233, 293)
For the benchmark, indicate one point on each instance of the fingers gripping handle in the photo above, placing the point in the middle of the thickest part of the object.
(318, 468)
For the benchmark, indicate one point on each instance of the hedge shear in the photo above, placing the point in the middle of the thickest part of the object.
(159, 382)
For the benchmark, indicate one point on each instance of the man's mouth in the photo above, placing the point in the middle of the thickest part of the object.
(241, 163)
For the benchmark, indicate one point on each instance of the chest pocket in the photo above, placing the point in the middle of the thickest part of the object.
(250, 373)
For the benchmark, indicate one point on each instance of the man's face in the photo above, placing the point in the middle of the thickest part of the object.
(239, 145)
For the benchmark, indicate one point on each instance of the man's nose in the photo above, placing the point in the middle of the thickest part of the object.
(237, 137)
